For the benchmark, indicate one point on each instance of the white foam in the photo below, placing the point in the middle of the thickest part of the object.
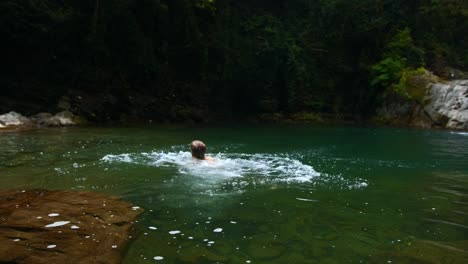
(119, 158)
(280, 167)
(218, 230)
(306, 200)
(59, 223)
(152, 228)
(53, 215)
(75, 227)
(51, 246)
(158, 258)
(174, 232)
(460, 133)
(239, 170)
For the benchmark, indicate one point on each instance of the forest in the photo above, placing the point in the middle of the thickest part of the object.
(178, 60)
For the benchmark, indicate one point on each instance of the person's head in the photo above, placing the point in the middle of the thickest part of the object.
(198, 149)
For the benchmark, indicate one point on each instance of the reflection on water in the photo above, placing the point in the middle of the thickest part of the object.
(274, 195)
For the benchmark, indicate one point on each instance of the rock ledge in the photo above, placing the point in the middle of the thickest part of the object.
(40, 226)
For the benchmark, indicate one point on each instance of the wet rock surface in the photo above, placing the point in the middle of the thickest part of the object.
(39, 226)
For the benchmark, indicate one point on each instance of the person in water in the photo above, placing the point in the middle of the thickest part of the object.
(198, 150)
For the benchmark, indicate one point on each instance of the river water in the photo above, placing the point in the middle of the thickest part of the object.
(274, 194)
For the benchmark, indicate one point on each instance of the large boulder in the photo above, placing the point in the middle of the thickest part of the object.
(44, 119)
(13, 119)
(64, 118)
(443, 105)
(40, 227)
(448, 104)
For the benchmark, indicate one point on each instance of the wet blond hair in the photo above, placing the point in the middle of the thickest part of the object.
(198, 149)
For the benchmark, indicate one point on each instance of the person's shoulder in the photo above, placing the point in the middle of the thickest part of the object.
(208, 158)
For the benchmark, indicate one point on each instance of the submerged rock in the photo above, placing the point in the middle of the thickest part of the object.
(265, 250)
(426, 251)
(42, 226)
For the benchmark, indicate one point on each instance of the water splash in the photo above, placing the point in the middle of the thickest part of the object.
(239, 170)
(278, 167)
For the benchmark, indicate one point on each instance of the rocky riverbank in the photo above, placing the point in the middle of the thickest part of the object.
(40, 226)
(440, 104)
(428, 102)
(16, 121)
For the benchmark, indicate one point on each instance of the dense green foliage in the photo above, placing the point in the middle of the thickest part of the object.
(229, 57)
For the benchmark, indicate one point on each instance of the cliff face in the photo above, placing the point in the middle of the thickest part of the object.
(445, 105)
(448, 104)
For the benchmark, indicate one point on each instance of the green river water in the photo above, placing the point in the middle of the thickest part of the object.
(273, 195)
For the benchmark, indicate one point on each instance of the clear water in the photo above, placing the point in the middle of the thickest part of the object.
(272, 195)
